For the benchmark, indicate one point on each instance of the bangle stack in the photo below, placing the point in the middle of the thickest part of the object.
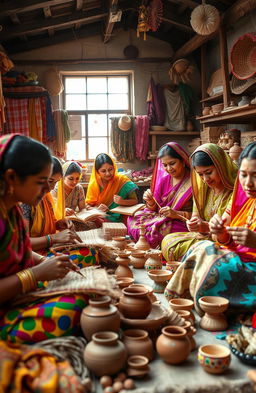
(49, 240)
(27, 279)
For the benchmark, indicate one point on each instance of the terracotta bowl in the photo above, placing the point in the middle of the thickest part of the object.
(159, 275)
(124, 282)
(214, 359)
(213, 304)
(181, 304)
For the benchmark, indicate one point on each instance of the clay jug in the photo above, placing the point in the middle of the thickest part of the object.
(137, 342)
(142, 243)
(105, 354)
(138, 259)
(99, 316)
(173, 344)
(123, 260)
(235, 151)
(135, 303)
(153, 260)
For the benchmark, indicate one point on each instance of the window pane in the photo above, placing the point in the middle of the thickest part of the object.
(76, 150)
(97, 146)
(75, 85)
(77, 126)
(97, 125)
(118, 101)
(75, 102)
(118, 84)
(97, 101)
(96, 85)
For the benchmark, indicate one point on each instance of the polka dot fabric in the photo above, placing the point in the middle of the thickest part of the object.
(82, 257)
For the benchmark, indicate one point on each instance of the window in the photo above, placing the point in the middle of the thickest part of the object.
(91, 101)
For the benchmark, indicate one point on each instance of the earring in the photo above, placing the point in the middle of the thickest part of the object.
(10, 190)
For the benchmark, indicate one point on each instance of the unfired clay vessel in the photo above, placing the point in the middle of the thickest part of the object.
(138, 259)
(214, 307)
(105, 354)
(142, 243)
(173, 344)
(153, 260)
(137, 342)
(100, 315)
(123, 260)
(135, 303)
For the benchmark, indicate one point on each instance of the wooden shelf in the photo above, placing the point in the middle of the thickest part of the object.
(214, 98)
(239, 115)
(170, 133)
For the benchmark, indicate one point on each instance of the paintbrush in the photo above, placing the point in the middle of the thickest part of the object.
(77, 269)
(156, 202)
(182, 217)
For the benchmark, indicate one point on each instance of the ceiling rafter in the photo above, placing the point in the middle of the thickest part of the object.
(17, 6)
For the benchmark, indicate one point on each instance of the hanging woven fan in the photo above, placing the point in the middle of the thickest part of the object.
(205, 19)
(155, 14)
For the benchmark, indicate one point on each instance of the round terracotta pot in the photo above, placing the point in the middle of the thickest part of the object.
(153, 260)
(105, 354)
(119, 242)
(137, 366)
(99, 316)
(138, 259)
(151, 295)
(137, 342)
(173, 344)
(135, 303)
(183, 304)
(123, 260)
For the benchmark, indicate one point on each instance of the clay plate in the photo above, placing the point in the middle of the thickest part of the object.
(154, 320)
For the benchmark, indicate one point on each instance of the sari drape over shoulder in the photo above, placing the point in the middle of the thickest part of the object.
(175, 245)
(119, 185)
(44, 221)
(178, 197)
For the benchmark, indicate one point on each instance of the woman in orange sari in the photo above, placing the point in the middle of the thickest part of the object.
(108, 189)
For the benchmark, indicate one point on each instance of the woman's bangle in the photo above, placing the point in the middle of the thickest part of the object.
(27, 279)
(49, 240)
(225, 243)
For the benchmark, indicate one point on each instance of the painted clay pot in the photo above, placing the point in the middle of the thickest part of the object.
(99, 316)
(137, 342)
(135, 303)
(138, 259)
(172, 266)
(105, 354)
(183, 304)
(119, 242)
(142, 243)
(214, 359)
(153, 260)
(173, 344)
(213, 319)
(123, 260)
(137, 366)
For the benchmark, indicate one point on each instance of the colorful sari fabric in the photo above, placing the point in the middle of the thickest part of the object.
(119, 185)
(178, 197)
(209, 269)
(206, 204)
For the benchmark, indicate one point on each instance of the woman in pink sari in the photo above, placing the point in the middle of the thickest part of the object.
(171, 190)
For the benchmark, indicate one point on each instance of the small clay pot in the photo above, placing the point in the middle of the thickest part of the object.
(173, 344)
(206, 110)
(185, 314)
(214, 319)
(214, 359)
(160, 278)
(124, 282)
(135, 303)
(142, 243)
(182, 304)
(138, 259)
(100, 315)
(105, 354)
(119, 242)
(235, 151)
(123, 260)
(137, 366)
(137, 342)
(153, 260)
(191, 331)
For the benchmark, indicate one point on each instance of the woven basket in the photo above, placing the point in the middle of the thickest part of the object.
(238, 86)
(205, 19)
(243, 56)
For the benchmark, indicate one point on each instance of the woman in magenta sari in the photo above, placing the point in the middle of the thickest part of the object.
(168, 200)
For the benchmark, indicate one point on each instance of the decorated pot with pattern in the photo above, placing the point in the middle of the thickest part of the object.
(215, 359)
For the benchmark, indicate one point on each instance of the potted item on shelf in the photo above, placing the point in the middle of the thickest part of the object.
(244, 101)
(206, 110)
(217, 108)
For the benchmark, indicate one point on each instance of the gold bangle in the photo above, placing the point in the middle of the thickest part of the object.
(27, 279)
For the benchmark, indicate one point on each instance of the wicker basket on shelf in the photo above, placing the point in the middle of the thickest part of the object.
(243, 56)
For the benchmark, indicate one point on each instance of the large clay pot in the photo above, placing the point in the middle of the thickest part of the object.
(105, 354)
(153, 260)
(137, 342)
(135, 303)
(173, 344)
(99, 316)
(123, 260)
(138, 259)
(142, 243)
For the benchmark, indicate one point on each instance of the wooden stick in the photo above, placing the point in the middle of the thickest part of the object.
(76, 271)
(160, 207)
(182, 217)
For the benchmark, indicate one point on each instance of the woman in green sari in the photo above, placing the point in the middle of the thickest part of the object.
(213, 177)
(108, 189)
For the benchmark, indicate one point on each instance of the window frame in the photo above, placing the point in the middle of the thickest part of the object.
(78, 74)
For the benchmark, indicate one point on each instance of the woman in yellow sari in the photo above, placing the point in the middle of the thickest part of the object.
(108, 189)
(213, 177)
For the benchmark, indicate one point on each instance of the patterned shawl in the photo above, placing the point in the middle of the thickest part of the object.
(15, 247)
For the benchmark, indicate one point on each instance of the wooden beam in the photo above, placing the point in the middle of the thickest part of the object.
(15, 19)
(79, 4)
(192, 45)
(109, 25)
(17, 6)
(76, 17)
(224, 66)
(180, 26)
(95, 60)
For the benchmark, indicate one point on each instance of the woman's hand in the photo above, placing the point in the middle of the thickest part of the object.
(148, 196)
(66, 236)
(53, 268)
(242, 236)
(195, 224)
(217, 225)
(168, 212)
(118, 200)
(69, 212)
(103, 207)
(64, 224)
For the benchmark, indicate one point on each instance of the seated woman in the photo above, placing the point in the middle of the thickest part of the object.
(228, 267)
(73, 191)
(25, 167)
(169, 198)
(108, 189)
(213, 177)
(46, 229)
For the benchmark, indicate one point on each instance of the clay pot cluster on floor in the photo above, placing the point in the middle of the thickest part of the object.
(121, 382)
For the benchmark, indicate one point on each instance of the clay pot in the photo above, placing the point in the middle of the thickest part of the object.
(151, 295)
(153, 260)
(191, 331)
(123, 260)
(235, 151)
(135, 303)
(160, 278)
(137, 342)
(124, 282)
(100, 315)
(214, 359)
(214, 319)
(105, 354)
(173, 344)
(142, 243)
(185, 314)
(206, 110)
(137, 366)
(138, 259)
(183, 304)
(119, 242)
